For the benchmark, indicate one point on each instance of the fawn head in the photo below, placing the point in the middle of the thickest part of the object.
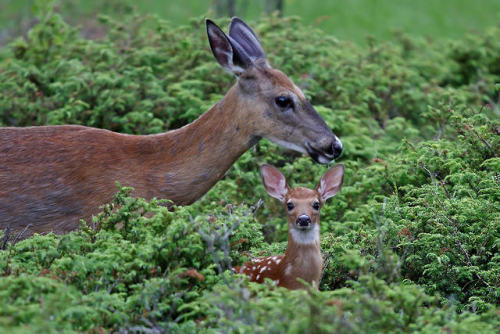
(276, 108)
(302, 205)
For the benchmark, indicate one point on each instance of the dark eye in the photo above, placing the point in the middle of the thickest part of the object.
(284, 102)
(316, 206)
(290, 206)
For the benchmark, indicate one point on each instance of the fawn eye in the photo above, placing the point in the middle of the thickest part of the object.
(283, 102)
(290, 206)
(316, 205)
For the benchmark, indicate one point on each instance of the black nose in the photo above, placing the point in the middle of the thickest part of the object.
(303, 221)
(336, 148)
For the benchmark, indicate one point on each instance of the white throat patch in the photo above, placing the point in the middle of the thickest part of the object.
(306, 237)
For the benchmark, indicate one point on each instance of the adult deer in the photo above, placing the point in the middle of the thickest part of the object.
(53, 176)
(302, 258)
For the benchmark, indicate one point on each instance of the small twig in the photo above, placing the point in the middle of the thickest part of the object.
(6, 237)
(115, 283)
(257, 206)
(381, 233)
(212, 240)
(485, 142)
(219, 240)
(398, 264)
(326, 264)
(21, 233)
(173, 307)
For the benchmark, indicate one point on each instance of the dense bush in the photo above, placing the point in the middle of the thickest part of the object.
(410, 243)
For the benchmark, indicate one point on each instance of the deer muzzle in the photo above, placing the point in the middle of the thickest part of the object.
(327, 153)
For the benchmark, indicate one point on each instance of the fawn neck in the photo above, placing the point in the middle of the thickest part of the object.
(303, 250)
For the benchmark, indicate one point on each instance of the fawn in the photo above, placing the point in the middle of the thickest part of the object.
(302, 258)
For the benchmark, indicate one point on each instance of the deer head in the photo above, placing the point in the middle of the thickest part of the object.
(270, 102)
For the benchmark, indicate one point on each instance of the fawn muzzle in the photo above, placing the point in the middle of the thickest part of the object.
(303, 222)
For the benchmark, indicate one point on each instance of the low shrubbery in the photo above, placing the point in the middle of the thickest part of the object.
(410, 243)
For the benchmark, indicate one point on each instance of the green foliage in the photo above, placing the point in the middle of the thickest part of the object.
(370, 305)
(129, 270)
(410, 243)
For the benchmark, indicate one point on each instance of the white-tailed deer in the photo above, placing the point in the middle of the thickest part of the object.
(302, 258)
(53, 176)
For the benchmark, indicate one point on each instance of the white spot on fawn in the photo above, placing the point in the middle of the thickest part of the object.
(253, 268)
(258, 276)
(288, 269)
(263, 268)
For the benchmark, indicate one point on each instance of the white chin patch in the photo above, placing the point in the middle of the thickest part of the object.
(324, 160)
(306, 237)
(288, 145)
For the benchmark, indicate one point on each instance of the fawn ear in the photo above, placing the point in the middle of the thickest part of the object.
(274, 182)
(331, 182)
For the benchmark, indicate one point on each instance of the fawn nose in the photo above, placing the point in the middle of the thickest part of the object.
(303, 221)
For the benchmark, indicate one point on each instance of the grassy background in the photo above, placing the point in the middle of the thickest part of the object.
(347, 20)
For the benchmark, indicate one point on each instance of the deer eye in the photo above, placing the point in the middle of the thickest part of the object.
(316, 205)
(290, 206)
(283, 102)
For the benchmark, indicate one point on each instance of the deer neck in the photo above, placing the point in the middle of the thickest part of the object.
(193, 158)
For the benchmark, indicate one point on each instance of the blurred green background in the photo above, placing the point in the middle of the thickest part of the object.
(347, 19)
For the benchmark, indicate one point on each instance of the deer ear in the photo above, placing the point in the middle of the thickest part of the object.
(274, 182)
(246, 38)
(227, 51)
(331, 182)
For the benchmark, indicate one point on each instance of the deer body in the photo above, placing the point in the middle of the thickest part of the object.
(302, 258)
(73, 186)
(53, 176)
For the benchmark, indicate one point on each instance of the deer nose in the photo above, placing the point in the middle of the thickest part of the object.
(336, 148)
(303, 221)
